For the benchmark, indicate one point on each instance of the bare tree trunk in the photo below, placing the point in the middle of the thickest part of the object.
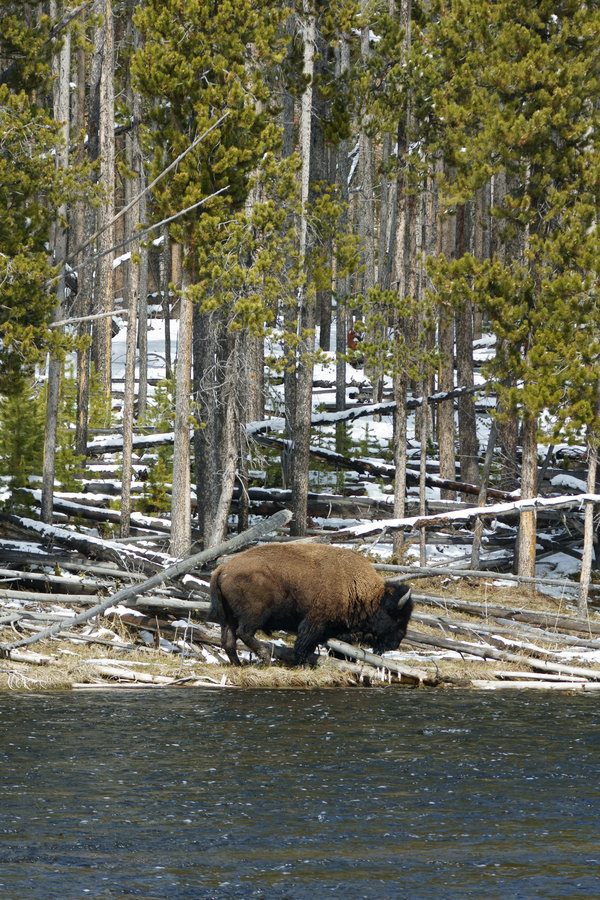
(103, 89)
(508, 428)
(62, 70)
(485, 475)
(366, 210)
(467, 427)
(131, 285)
(342, 287)
(527, 521)
(228, 455)
(84, 227)
(301, 405)
(423, 473)
(128, 404)
(446, 422)
(403, 243)
(400, 421)
(588, 521)
(181, 527)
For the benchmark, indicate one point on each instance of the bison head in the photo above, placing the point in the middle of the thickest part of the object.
(388, 624)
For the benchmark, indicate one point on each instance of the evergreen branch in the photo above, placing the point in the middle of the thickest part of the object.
(141, 234)
(147, 189)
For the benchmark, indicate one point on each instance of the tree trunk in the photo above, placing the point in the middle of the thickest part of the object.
(485, 475)
(300, 383)
(131, 281)
(467, 427)
(84, 227)
(400, 421)
(60, 100)
(445, 417)
(527, 521)
(588, 522)
(103, 106)
(181, 533)
(342, 287)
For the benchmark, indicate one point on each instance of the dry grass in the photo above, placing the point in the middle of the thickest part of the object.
(67, 663)
(64, 664)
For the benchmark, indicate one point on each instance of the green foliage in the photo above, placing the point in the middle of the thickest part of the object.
(21, 440)
(31, 190)
(390, 350)
(26, 49)
(22, 424)
(160, 418)
(518, 94)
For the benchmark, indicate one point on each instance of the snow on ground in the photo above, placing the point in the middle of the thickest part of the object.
(374, 436)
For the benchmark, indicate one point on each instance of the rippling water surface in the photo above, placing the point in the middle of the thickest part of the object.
(293, 794)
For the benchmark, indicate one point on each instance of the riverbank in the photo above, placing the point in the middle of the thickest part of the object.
(463, 633)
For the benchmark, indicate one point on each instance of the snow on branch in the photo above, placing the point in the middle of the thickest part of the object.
(457, 517)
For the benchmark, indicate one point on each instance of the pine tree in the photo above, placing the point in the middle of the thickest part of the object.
(518, 93)
(31, 191)
(21, 440)
(205, 68)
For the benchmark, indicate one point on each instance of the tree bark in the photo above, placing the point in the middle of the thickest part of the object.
(342, 287)
(84, 227)
(588, 521)
(467, 428)
(528, 518)
(300, 403)
(103, 107)
(487, 465)
(445, 416)
(181, 529)
(60, 102)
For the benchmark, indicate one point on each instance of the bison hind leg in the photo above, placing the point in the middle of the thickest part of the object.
(228, 642)
(309, 637)
(253, 644)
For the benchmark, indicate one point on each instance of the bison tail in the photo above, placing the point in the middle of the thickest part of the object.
(216, 612)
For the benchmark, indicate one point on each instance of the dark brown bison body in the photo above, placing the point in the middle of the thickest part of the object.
(314, 590)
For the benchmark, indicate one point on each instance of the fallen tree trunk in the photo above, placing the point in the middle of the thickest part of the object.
(88, 545)
(185, 565)
(486, 610)
(462, 516)
(373, 659)
(416, 637)
(383, 470)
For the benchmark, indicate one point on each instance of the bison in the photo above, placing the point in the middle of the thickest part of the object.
(314, 590)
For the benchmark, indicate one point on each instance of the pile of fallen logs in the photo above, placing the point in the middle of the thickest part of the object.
(69, 586)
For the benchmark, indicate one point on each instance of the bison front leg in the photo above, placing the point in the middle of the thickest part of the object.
(309, 637)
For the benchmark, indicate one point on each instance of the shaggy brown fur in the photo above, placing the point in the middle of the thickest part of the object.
(314, 590)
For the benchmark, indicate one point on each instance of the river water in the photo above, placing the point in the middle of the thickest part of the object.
(364, 793)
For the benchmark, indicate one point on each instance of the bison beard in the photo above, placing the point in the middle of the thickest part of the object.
(313, 590)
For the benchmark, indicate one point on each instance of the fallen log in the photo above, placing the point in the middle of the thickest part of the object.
(485, 685)
(461, 516)
(39, 597)
(456, 572)
(185, 565)
(86, 585)
(88, 545)
(123, 673)
(464, 648)
(487, 610)
(385, 470)
(373, 659)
